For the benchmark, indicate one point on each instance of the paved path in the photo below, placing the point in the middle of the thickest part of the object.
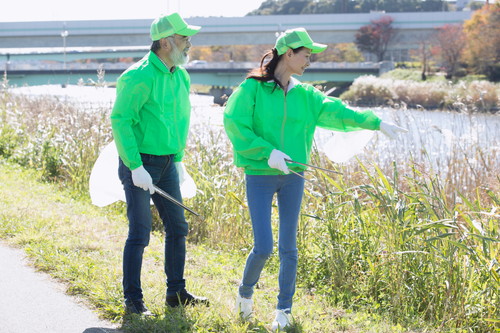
(32, 302)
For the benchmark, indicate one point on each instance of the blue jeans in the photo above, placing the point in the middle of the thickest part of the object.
(260, 193)
(162, 170)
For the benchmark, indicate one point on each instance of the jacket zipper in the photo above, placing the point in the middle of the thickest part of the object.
(175, 108)
(284, 121)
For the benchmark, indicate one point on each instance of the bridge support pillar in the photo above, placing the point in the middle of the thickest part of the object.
(220, 94)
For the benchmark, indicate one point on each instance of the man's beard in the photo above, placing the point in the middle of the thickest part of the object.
(177, 57)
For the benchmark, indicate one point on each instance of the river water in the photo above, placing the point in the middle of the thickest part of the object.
(439, 139)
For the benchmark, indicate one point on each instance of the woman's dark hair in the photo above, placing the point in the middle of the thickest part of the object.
(266, 71)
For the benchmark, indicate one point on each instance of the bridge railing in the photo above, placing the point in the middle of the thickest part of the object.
(249, 65)
(41, 65)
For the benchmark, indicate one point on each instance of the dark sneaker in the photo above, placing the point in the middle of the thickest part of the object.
(185, 298)
(137, 307)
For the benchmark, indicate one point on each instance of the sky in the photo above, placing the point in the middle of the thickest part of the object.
(64, 10)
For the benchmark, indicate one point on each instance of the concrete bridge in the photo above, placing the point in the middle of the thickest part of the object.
(249, 30)
(218, 74)
(26, 48)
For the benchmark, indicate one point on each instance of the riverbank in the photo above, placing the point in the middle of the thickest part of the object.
(376, 241)
(463, 96)
(466, 96)
(457, 142)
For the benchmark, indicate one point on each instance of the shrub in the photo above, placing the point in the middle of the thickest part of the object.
(369, 90)
(61, 139)
(464, 96)
(478, 95)
(420, 94)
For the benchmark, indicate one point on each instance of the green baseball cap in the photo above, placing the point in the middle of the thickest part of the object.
(295, 38)
(168, 25)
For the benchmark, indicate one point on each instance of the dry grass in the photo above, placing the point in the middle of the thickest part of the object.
(475, 96)
(410, 231)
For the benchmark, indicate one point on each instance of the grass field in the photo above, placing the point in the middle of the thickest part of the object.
(81, 245)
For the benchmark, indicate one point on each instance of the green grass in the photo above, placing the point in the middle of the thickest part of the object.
(81, 245)
(382, 248)
(415, 74)
(412, 75)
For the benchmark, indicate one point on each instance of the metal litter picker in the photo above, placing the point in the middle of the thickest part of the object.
(172, 199)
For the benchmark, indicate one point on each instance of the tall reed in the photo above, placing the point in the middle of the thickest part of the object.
(397, 246)
(482, 96)
(392, 234)
(53, 135)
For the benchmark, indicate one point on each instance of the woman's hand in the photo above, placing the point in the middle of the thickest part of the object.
(391, 130)
(277, 161)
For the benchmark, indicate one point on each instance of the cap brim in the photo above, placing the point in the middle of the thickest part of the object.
(190, 30)
(317, 47)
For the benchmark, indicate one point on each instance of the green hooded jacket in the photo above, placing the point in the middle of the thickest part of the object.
(152, 111)
(259, 118)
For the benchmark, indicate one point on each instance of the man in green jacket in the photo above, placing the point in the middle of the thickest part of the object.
(150, 121)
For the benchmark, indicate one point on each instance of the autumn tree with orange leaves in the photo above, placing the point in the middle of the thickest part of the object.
(482, 32)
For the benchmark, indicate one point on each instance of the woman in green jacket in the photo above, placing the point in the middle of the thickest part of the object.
(271, 118)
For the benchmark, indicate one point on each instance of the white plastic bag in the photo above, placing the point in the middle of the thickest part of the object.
(343, 146)
(104, 185)
(106, 188)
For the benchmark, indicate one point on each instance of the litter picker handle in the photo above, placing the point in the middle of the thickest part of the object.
(313, 166)
(172, 199)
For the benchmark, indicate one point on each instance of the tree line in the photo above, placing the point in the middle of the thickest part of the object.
(469, 48)
(458, 50)
(295, 7)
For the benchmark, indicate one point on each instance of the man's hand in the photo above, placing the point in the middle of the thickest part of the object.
(277, 161)
(142, 179)
(391, 130)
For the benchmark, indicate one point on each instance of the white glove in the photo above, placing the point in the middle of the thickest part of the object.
(142, 179)
(277, 161)
(391, 130)
(181, 171)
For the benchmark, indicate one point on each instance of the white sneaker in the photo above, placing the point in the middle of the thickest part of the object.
(244, 307)
(283, 320)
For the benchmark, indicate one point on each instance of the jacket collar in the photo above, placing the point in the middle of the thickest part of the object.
(155, 60)
(293, 82)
